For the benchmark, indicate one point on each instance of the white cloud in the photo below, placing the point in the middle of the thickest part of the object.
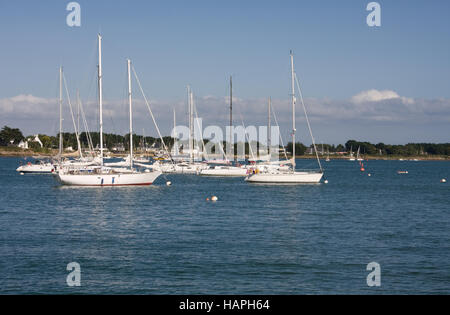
(378, 96)
(374, 96)
(37, 114)
(27, 105)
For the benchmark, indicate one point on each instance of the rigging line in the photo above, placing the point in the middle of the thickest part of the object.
(90, 68)
(92, 77)
(246, 136)
(307, 121)
(151, 114)
(199, 128)
(223, 151)
(125, 105)
(73, 117)
(56, 122)
(281, 138)
(88, 134)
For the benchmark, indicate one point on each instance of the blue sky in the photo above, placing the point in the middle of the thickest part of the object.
(202, 43)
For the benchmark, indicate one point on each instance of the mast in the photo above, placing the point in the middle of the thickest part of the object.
(174, 124)
(175, 144)
(60, 116)
(189, 118)
(80, 152)
(78, 111)
(192, 127)
(269, 127)
(191, 124)
(100, 96)
(143, 139)
(231, 117)
(131, 112)
(293, 112)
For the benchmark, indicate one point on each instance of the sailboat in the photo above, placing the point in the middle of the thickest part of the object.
(81, 161)
(328, 156)
(265, 164)
(194, 154)
(102, 175)
(291, 176)
(226, 170)
(358, 156)
(189, 161)
(351, 157)
(264, 156)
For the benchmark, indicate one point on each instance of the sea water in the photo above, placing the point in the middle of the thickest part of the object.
(256, 239)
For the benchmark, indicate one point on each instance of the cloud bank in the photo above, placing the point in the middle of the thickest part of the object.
(371, 107)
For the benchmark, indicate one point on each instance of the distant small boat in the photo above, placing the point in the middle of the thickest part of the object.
(351, 157)
(402, 172)
(358, 156)
(39, 167)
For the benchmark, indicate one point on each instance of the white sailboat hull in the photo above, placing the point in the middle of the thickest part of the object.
(286, 178)
(101, 180)
(189, 169)
(224, 172)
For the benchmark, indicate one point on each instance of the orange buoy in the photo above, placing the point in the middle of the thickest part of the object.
(362, 169)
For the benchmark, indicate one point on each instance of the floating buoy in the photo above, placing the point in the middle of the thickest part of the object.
(21, 173)
(326, 181)
(369, 174)
(362, 169)
(168, 183)
(443, 180)
(402, 172)
(207, 199)
(214, 198)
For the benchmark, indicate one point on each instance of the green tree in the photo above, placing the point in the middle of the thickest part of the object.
(8, 134)
(300, 148)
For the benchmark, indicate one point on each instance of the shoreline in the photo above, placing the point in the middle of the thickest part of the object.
(384, 158)
(29, 153)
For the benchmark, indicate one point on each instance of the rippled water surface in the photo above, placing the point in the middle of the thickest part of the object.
(255, 240)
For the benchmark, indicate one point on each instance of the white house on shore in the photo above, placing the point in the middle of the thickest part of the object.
(23, 144)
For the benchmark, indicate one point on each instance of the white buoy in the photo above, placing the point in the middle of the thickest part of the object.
(168, 183)
(443, 180)
(369, 174)
(21, 173)
(214, 198)
(326, 181)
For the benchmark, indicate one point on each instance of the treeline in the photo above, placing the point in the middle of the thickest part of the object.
(367, 148)
(410, 149)
(12, 137)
